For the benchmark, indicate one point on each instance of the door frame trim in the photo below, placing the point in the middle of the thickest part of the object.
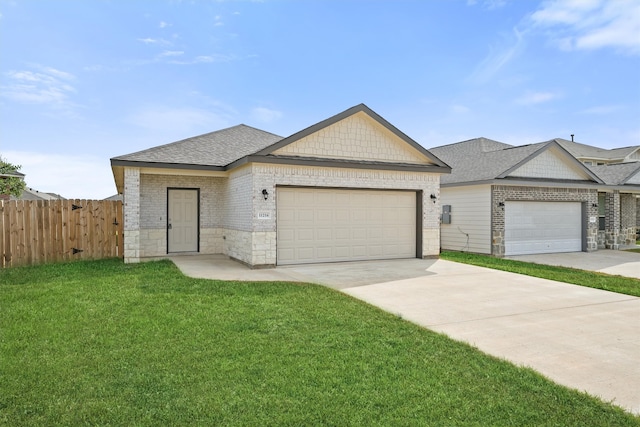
(197, 190)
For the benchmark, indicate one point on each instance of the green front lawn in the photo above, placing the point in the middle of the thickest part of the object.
(104, 343)
(622, 285)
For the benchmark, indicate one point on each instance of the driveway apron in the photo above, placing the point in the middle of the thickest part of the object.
(584, 338)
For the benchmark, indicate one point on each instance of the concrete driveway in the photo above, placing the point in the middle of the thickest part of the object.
(604, 261)
(580, 337)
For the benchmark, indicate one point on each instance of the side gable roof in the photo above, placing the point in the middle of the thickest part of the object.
(361, 108)
(216, 149)
(618, 173)
(581, 151)
(228, 148)
(471, 147)
(477, 166)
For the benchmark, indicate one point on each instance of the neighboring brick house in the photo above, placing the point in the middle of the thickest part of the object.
(539, 198)
(352, 187)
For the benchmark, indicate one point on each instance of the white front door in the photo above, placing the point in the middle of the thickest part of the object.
(182, 221)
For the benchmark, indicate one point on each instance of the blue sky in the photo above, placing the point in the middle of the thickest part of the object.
(84, 81)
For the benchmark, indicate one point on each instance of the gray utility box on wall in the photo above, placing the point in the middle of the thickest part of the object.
(446, 214)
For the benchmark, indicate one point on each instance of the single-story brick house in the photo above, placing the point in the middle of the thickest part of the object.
(351, 187)
(554, 196)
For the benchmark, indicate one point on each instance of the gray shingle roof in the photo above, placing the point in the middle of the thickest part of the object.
(481, 159)
(581, 151)
(616, 174)
(218, 148)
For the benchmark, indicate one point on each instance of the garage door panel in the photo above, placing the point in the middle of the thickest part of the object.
(347, 225)
(542, 227)
(359, 233)
(287, 235)
(341, 215)
(305, 215)
(287, 214)
(305, 253)
(376, 250)
(359, 215)
(342, 251)
(287, 254)
(324, 215)
(305, 234)
(324, 234)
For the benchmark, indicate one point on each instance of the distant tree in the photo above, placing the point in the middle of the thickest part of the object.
(11, 184)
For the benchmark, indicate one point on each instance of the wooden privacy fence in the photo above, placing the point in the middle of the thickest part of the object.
(39, 231)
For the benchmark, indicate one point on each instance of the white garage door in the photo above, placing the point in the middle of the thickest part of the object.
(542, 227)
(329, 225)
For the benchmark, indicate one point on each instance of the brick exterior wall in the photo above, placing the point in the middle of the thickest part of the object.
(612, 220)
(232, 209)
(153, 212)
(268, 177)
(628, 219)
(131, 215)
(504, 193)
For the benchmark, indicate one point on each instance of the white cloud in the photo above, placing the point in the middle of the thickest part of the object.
(46, 85)
(532, 98)
(71, 176)
(602, 109)
(459, 109)
(164, 24)
(265, 115)
(488, 4)
(498, 58)
(181, 120)
(205, 59)
(172, 53)
(161, 42)
(592, 24)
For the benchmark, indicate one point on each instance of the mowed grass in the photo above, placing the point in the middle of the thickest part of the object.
(104, 343)
(622, 285)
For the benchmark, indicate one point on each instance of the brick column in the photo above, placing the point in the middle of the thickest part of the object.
(628, 217)
(612, 220)
(131, 215)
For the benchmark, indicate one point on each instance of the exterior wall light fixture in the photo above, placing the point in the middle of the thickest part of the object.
(265, 193)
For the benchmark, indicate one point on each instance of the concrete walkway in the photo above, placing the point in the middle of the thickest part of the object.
(580, 337)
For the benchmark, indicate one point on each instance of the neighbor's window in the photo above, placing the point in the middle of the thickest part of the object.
(588, 163)
(601, 210)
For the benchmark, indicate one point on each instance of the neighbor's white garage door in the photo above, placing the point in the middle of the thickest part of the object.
(328, 225)
(542, 227)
